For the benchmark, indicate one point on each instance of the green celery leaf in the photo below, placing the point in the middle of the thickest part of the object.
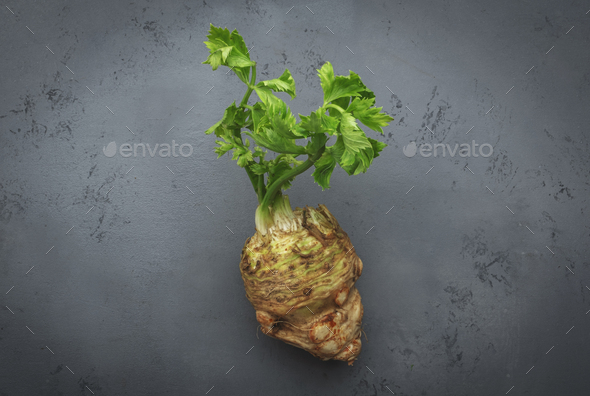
(375, 119)
(342, 87)
(330, 124)
(353, 138)
(258, 115)
(266, 96)
(282, 120)
(243, 73)
(228, 49)
(323, 169)
(218, 38)
(270, 139)
(215, 60)
(318, 140)
(344, 158)
(214, 127)
(351, 163)
(273, 113)
(238, 60)
(361, 160)
(272, 126)
(370, 116)
(241, 117)
(313, 122)
(258, 152)
(345, 101)
(360, 104)
(223, 147)
(338, 86)
(318, 122)
(290, 159)
(326, 74)
(341, 102)
(337, 149)
(226, 121)
(224, 45)
(300, 131)
(377, 147)
(243, 155)
(366, 93)
(259, 169)
(285, 83)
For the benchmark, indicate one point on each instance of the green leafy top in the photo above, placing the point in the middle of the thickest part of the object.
(271, 125)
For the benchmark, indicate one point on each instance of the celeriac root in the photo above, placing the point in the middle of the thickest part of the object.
(300, 279)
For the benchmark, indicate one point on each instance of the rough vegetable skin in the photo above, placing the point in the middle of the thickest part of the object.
(301, 282)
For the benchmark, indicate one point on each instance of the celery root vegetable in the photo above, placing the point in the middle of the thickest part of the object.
(299, 268)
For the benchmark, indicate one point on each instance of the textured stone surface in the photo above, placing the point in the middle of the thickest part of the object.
(144, 294)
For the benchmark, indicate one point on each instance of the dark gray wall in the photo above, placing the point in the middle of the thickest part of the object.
(143, 295)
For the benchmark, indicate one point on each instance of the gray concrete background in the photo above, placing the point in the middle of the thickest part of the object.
(144, 296)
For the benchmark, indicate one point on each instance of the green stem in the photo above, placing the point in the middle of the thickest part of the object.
(254, 179)
(250, 87)
(335, 107)
(246, 96)
(278, 158)
(276, 185)
(261, 187)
